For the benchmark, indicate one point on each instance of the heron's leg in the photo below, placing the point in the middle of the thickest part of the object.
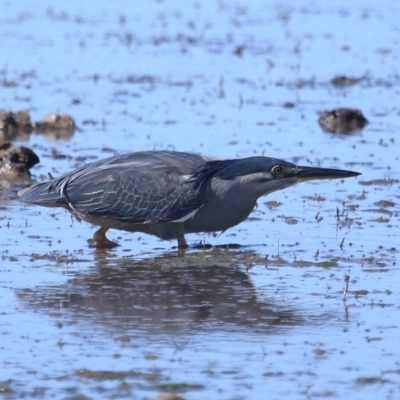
(182, 242)
(101, 240)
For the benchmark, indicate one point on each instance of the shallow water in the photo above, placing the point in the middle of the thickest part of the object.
(269, 318)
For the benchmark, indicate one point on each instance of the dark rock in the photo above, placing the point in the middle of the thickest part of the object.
(342, 120)
(18, 124)
(14, 123)
(56, 122)
(16, 161)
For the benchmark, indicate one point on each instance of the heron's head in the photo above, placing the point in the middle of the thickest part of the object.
(263, 175)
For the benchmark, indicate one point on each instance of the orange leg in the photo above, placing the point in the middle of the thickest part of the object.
(182, 242)
(101, 241)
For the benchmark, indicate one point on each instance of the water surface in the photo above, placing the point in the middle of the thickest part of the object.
(267, 319)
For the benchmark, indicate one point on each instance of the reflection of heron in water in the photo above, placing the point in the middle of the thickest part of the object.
(164, 295)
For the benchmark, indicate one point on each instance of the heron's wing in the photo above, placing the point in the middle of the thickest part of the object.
(135, 193)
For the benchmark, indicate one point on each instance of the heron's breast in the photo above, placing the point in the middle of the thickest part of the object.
(219, 215)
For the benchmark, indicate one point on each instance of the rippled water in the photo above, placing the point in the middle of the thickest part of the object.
(268, 319)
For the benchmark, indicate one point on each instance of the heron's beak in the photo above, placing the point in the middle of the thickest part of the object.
(310, 173)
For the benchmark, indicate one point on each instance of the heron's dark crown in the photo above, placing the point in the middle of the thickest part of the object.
(231, 169)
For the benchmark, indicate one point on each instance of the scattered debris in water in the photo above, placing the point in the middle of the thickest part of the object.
(343, 80)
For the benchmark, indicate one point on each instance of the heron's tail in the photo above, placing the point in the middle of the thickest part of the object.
(44, 194)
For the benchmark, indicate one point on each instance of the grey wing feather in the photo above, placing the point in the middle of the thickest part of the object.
(158, 192)
(142, 187)
(132, 197)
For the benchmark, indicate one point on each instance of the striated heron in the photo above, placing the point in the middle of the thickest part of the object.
(168, 193)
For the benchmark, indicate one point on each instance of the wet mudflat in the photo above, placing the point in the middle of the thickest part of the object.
(308, 305)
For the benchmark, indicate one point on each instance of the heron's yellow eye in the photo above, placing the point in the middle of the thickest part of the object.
(277, 170)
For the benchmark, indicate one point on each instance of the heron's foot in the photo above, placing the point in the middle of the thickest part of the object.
(101, 241)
